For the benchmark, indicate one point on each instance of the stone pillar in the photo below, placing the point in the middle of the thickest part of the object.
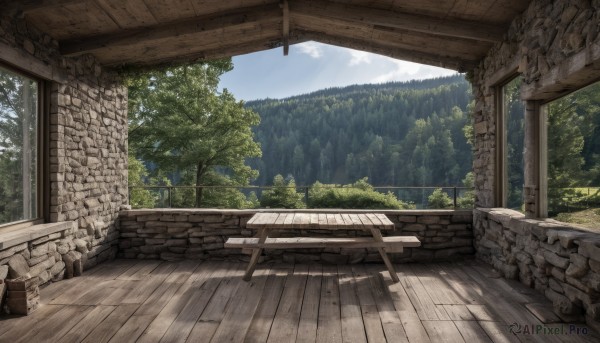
(531, 160)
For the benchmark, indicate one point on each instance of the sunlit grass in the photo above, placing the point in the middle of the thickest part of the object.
(589, 218)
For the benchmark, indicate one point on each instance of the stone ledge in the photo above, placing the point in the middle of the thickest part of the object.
(26, 234)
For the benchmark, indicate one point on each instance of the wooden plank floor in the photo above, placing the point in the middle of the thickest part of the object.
(152, 301)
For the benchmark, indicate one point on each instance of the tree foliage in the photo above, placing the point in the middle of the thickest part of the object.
(360, 195)
(282, 195)
(439, 200)
(401, 134)
(181, 125)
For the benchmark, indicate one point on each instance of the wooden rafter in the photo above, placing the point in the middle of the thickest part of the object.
(457, 64)
(407, 21)
(221, 52)
(215, 22)
(286, 27)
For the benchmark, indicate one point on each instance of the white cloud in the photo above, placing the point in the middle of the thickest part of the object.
(403, 71)
(357, 57)
(311, 49)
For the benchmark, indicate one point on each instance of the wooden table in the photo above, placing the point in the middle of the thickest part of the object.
(265, 222)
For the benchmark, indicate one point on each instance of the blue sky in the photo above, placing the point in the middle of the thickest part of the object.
(312, 66)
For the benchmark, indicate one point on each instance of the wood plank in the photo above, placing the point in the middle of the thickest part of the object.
(368, 307)
(159, 326)
(436, 285)
(238, 316)
(543, 312)
(16, 327)
(301, 221)
(415, 331)
(259, 329)
(280, 219)
(322, 220)
(111, 324)
(205, 307)
(209, 23)
(467, 290)
(339, 220)
(289, 219)
(353, 329)
(385, 221)
(323, 242)
(420, 298)
(56, 326)
(443, 331)
(140, 270)
(384, 256)
(153, 305)
(482, 313)
(309, 317)
(409, 21)
(366, 221)
(331, 221)
(392, 325)
(314, 221)
(285, 323)
(471, 331)
(458, 312)
(329, 329)
(80, 331)
(262, 236)
(356, 221)
(139, 294)
(498, 332)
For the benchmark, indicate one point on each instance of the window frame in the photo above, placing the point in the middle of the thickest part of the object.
(501, 158)
(42, 181)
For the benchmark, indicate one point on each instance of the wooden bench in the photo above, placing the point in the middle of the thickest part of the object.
(266, 222)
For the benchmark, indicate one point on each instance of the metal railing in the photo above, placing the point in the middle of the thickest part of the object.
(403, 193)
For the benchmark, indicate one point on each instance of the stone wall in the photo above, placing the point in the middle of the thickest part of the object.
(87, 147)
(553, 45)
(559, 261)
(172, 234)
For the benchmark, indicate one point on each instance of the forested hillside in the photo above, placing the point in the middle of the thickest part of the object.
(401, 134)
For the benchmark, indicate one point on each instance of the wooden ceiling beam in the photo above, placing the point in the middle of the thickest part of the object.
(286, 27)
(214, 22)
(211, 54)
(460, 65)
(407, 21)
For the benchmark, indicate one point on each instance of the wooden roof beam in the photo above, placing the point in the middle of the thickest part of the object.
(214, 22)
(286, 27)
(457, 64)
(407, 21)
(211, 54)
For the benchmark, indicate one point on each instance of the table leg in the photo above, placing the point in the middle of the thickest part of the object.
(378, 238)
(262, 237)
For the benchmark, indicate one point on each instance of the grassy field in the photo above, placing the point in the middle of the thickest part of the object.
(589, 218)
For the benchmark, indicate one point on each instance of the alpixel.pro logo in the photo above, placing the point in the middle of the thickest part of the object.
(539, 329)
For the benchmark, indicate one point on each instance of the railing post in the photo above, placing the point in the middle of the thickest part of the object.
(455, 202)
(306, 196)
(170, 193)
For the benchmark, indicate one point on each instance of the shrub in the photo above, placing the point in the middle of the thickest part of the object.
(439, 199)
(359, 195)
(283, 195)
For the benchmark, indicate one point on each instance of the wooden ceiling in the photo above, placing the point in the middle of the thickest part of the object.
(453, 34)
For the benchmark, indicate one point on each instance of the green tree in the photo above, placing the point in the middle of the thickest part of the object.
(138, 197)
(183, 125)
(282, 195)
(439, 199)
(467, 200)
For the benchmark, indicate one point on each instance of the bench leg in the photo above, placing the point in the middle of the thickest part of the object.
(262, 236)
(390, 267)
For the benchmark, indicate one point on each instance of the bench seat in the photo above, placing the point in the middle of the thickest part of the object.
(392, 244)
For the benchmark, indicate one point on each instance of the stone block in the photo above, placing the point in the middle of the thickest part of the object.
(556, 260)
(334, 258)
(18, 267)
(578, 266)
(3, 273)
(22, 306)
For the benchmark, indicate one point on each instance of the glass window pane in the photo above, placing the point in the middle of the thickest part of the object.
(574, 157)
(18, 147)
(514, 114)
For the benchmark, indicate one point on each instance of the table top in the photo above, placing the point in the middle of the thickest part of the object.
(327, 221)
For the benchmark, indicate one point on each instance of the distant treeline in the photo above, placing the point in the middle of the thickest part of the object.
(400, 133)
